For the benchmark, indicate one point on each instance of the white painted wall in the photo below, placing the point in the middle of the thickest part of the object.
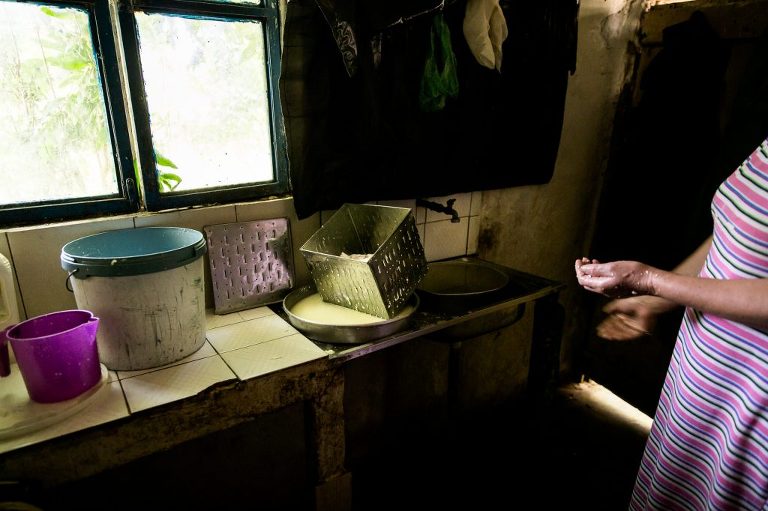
(543, 229)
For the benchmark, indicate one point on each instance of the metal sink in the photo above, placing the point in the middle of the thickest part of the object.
(464, 286)
(483, 324)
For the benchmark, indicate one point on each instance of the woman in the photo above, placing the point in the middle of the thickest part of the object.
(708, 447)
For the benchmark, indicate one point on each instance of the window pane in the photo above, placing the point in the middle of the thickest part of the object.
(206, 89)
(54, 139)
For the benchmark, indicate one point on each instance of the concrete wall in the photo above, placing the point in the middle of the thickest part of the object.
(544, 229)
(636, 370)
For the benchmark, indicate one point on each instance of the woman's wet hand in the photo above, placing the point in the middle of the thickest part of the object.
(617, 279)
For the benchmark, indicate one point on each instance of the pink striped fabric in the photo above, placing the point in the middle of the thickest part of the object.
(708, 448)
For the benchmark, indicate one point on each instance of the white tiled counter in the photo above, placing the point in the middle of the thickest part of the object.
(239, 347)
(252, 363)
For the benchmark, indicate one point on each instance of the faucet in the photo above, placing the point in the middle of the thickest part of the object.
(436, 206)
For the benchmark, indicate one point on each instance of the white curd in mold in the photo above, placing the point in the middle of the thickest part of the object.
(314, 309)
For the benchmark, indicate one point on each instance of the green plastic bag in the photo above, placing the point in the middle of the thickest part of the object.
(440, 79)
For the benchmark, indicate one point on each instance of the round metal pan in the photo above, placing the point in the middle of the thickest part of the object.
(344, 334)
(458, 286)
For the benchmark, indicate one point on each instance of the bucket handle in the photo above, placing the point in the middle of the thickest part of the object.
(5, 361)
(67, 283)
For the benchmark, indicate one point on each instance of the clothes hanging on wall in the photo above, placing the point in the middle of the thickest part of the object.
(364, 136)
(485, 29)
(354, 23)
(440, 80)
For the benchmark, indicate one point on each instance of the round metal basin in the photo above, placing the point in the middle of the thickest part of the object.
(459, 286)
(462, 286)
(344, 333)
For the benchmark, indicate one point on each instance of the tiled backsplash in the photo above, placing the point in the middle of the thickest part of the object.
(41, 281)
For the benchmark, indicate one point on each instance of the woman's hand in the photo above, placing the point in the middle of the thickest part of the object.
(631, 318)
(618, 279)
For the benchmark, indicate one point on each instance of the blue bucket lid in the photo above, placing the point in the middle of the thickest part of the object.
(132, 251)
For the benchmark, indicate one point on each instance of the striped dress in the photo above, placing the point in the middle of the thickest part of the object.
(708, 447)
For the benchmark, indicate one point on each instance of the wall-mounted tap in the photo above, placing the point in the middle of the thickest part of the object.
(436, 206)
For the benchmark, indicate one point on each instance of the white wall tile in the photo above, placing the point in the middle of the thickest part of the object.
(301, 230)
(407, 203)
(476, 203)
(421, 215)
(5, 249)
(194, 218)
(445, 239)
(473, 235)
(38, 262)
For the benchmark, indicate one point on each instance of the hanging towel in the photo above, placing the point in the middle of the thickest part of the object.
(485, 30)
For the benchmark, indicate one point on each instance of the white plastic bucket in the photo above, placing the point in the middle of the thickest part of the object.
(147, 287)
(9, 307)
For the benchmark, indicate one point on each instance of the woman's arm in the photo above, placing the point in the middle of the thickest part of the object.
(743, 300)
(690, 266)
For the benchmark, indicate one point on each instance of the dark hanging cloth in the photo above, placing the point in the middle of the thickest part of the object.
(363, 134)
(747, 121)
(665, 167)
(352, 24)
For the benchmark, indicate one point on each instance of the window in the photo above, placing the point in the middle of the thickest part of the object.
(194, 119)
